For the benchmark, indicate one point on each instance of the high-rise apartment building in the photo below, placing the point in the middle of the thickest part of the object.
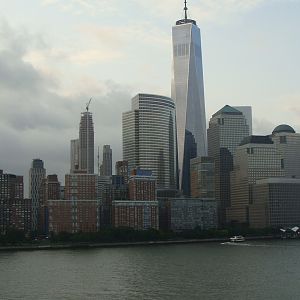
(256, 158)
(106, 168)
(227, 128)
(86, 143)
(74, 156)
(188, 94)
(287, 141)
(37, 173)
(149, 138)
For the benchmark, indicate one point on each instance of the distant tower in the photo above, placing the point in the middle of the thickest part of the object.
(149, 138)
(106, 168)
(36, 175)
(86, 142)
(74, 161)
(227, 128)
(188, 94)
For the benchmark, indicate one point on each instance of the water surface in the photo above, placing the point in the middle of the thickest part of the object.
(255, 270)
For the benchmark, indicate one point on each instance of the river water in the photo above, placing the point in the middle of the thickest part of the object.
(254, 270)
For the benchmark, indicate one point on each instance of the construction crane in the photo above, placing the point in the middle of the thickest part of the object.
(88, 105)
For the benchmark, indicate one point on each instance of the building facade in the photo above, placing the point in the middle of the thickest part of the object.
(149, 137)
(189, 213)
(15, 211)
(276, 203)
(227, 128)
(37, 173)
(122, 169)
(287, 141)
(203, 178)
(138, 215)
(188, 94)
(73, 216)
(106, 168)
(74, 156)
(142, 186)
(256, 158)
(247, 112)
(86, 143)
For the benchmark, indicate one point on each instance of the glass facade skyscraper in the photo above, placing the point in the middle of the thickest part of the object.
(188, 94)
(149, 138)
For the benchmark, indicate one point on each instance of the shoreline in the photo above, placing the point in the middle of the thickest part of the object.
(123, 244)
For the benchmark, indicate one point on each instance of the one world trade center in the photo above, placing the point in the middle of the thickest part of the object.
(188, 94)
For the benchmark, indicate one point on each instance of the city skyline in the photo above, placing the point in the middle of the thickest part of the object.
(49, 101)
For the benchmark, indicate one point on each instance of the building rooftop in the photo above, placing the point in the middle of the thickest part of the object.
(283, 128)
(227, 109)
(256, 139)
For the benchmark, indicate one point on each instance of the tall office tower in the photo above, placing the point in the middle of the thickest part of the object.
(86, 143)
(203, 178)
(188, 94)
(122, 169)
(106, 168)
(227, 128)
(287, 142)
(149, 138)
(36, 175)
(247, 112)
(74, 156)
(256, 158)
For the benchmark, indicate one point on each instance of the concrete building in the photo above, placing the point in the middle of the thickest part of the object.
(247, 112)
(149, 137)
(122, 169)
(256, 158)
(276, 203)
(189, 213)
(188, 94)
(142, 186)
(227, 128)
(139, 215)
(73, 216)
(86, 143)
(287, 141)
(203, 178)
(106, 167)
(37, 173)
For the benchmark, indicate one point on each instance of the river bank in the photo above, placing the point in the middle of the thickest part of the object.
(64, 246)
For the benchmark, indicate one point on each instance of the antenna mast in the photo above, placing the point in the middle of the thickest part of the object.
(185, 10)
(88, 105)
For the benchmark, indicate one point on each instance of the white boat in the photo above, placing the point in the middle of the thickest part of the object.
(237, 239)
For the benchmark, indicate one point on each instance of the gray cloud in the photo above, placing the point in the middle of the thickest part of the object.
(36, 121)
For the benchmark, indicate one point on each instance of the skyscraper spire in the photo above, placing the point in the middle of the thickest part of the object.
(185, 10)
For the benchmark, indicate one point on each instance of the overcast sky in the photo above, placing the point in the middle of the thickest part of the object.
(56, 54)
